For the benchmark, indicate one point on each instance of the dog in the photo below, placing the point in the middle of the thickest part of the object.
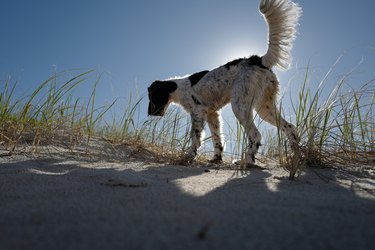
(245, 83)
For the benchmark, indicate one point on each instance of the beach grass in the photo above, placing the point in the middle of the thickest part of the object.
(337, 128)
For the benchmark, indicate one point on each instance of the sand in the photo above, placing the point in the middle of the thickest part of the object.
(129, 201)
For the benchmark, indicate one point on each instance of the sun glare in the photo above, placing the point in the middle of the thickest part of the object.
(232, 53)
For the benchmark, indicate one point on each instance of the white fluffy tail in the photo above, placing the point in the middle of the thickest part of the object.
(282, 17)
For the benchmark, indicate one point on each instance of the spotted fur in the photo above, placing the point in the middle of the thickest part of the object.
(246, 83)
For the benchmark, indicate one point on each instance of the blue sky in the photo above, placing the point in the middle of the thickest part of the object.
(135, 42)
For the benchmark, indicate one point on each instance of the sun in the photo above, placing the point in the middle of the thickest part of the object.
(231, 53)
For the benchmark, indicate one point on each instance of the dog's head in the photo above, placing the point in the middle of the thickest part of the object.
(158, 94)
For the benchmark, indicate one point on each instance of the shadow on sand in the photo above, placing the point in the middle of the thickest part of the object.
(60, 204)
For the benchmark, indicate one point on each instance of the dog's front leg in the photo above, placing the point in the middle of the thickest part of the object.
(214, 124)
(196, 134)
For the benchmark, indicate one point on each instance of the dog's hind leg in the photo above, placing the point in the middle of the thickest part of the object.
(244, 114)
(214, 124)
(254, 138)
(269, 113)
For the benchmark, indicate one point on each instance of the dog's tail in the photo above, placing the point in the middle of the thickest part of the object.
(282, 17)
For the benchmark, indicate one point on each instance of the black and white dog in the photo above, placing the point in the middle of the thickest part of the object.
(247, 83)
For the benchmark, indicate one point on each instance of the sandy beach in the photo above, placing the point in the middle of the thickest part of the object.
(128, 201)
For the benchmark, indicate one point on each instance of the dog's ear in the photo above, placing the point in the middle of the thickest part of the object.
(170, 86)
(161, 87)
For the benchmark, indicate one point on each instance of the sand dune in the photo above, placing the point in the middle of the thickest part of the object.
(64, 201)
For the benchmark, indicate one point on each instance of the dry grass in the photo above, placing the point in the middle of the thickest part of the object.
(335, 129)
